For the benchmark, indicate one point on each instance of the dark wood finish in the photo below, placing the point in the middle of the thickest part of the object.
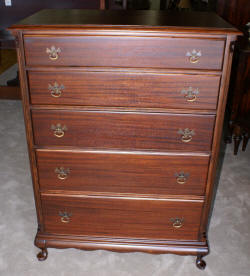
(142, 173)
(42, 255)
(241, 88)
(102, 4)
(21, 9)
(44, 241)
(136, 51)
(189, 22)
(117, 4)
(10, 93)
(236, 12)
(124, 89)
(28, 128)
(213, 166)
(200, 263)
(121, 130)
(7, 41)
(128, 147)
(240, 115)
(122, 217)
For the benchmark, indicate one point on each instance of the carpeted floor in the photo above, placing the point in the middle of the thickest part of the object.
(229, 230)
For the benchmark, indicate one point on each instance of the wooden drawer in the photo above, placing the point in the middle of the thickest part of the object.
(124, 51)
(123, 130)
(121, 217)
(122, 172)
(124, 89)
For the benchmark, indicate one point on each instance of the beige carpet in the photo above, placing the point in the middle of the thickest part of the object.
(229, 230)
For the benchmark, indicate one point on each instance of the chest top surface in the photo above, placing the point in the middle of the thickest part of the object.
(139, 20)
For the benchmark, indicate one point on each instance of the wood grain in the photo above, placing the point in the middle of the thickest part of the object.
(10, 93)
(122, 115)
(122, 130)
(172, 21)
(114, 51)
(151, 246)
(124, 89)
(213, 166)
(120, 217)
(122, 172)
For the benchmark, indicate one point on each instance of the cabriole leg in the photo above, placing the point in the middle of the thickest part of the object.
(42, 255)
(237, 138)
(200, 263)
(245, 140)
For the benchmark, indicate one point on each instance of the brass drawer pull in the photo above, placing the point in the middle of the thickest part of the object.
(190, 94)
(56, 89)
(187, 134)
(181, 178)
(194, 56)
(59, 130)
(53, 52)
(65, 216)
(62, 173)
(177, 222)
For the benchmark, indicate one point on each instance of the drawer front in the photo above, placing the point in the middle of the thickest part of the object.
(122, 172)
(124, 89)
(148, 52)
(122, 130)
(121, 217)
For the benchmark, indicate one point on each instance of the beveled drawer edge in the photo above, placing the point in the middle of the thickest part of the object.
(119, 151)
(126, 69)
(134, 70)
(155, 33)
(121, 110)
(121, 196)
(116, 31)
(110, 151)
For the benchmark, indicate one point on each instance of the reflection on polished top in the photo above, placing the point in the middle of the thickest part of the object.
(134, 19)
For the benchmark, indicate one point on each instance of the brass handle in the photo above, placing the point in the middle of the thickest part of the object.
(181, 180)
(186, 139)
(59, 133)
(181, 177)
(65, 217)
(53, 52)
(193, 56)
(62, 173)
(193, 99)
(187, 135)
(190, 94)
(59, 130)
(177, 222)
(56, 89)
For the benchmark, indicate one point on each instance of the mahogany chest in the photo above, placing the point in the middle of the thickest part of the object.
(123, 114)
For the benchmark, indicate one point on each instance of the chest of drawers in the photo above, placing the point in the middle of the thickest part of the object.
(123, 115)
